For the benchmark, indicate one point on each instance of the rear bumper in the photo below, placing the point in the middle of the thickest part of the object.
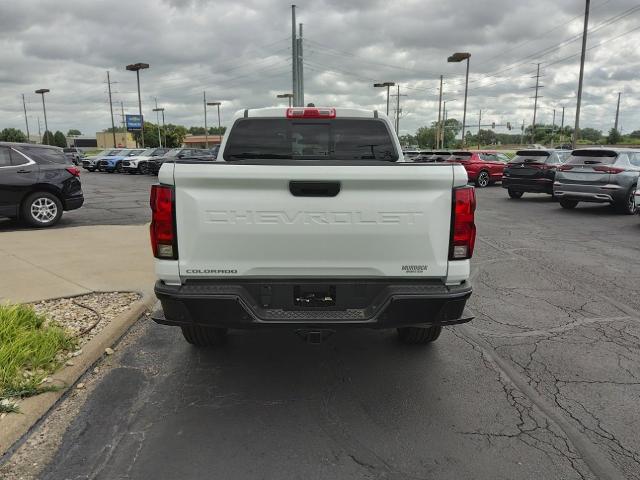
(365, 304)
(73, 203)
(538, 185)
(604, 193)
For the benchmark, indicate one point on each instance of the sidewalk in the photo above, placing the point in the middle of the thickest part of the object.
(41, 264)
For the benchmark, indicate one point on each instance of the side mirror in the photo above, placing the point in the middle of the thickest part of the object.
(181, 155)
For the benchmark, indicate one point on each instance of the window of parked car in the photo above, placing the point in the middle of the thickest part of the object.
(44, 155)
(530, 156)
(502, 157)
(589, 157)
(462, 156)
(5, 157)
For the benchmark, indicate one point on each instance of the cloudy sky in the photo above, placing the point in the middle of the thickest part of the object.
(239, 52)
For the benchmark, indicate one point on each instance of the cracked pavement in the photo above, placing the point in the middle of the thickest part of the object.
(544, 383)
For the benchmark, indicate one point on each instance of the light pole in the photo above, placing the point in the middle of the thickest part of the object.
(455, 58)
(388, 85)
(216, 104)
(42, 91)
(164, 130)
(286, 95)
(136, 67)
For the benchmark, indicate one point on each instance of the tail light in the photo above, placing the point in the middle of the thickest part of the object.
(73, 171)
(463, 227)
(308, 112)
(607, 169)
(163, 232)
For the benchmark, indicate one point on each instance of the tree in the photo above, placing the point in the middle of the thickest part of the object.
(12, 135)
(635, 134)
(73, 132)
(211, 130)
(591, 134)
(59, 140)
(614, 137)
(117, 130)
(47, 138)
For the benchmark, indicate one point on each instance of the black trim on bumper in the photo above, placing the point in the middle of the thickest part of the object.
(364, 303)
(73, 203)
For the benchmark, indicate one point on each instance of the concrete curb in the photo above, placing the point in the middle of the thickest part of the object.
(16, 426)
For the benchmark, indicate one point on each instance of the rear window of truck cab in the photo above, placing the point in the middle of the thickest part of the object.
(310, 139)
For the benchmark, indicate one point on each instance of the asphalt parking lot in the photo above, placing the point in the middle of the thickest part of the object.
(544, 383)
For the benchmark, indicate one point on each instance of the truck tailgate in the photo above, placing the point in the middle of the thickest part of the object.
(243, 220)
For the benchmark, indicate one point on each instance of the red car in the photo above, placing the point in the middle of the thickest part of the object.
(483, 166)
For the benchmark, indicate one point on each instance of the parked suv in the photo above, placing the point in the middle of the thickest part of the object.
(599, 175)
(154, 164)
(483, 166)
(37, 182)
(113, 163)
(532, 171)
(73, 154)
(138, 163)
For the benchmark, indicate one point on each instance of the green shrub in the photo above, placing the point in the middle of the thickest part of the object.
(29, 350)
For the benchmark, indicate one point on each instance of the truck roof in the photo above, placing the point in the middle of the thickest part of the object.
(282, 112)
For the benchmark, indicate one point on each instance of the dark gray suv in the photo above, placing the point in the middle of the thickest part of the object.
(599, 175)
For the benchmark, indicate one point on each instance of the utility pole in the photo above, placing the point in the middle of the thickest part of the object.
(615, 127)
(535, 105)
(294, 57)
(522, 133)
(576, 130)
(438, 126)
(562, 127)
(206, 132)
(124, 123)
(479, 125)
(26, 121)
(553, 125)
(444, 123)
(113, 126)
(158, 121)
(300, 70)
(397, 122)
(39, 131)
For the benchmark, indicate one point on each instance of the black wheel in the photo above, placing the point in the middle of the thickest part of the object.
(204, 336)
(515, 193)
(483, 179)
(628, 206)
(418, 335)
(41, 209)
(568, 204)
(144, 168)
(119, 167)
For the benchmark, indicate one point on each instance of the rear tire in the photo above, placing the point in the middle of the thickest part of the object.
(568, 204)
(204, 336)
(515, 193)
(144, 168)
(483, 179)
(419, 335)
(41, 209)
(627, 207)
(119, 167)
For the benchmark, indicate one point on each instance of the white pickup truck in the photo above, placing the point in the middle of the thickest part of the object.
(312, 220)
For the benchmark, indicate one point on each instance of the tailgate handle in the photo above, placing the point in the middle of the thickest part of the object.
(314, 189)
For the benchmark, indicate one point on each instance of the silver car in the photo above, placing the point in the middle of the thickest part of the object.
(600, 175)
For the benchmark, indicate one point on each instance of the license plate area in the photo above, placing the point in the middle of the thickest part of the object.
(314, 296)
